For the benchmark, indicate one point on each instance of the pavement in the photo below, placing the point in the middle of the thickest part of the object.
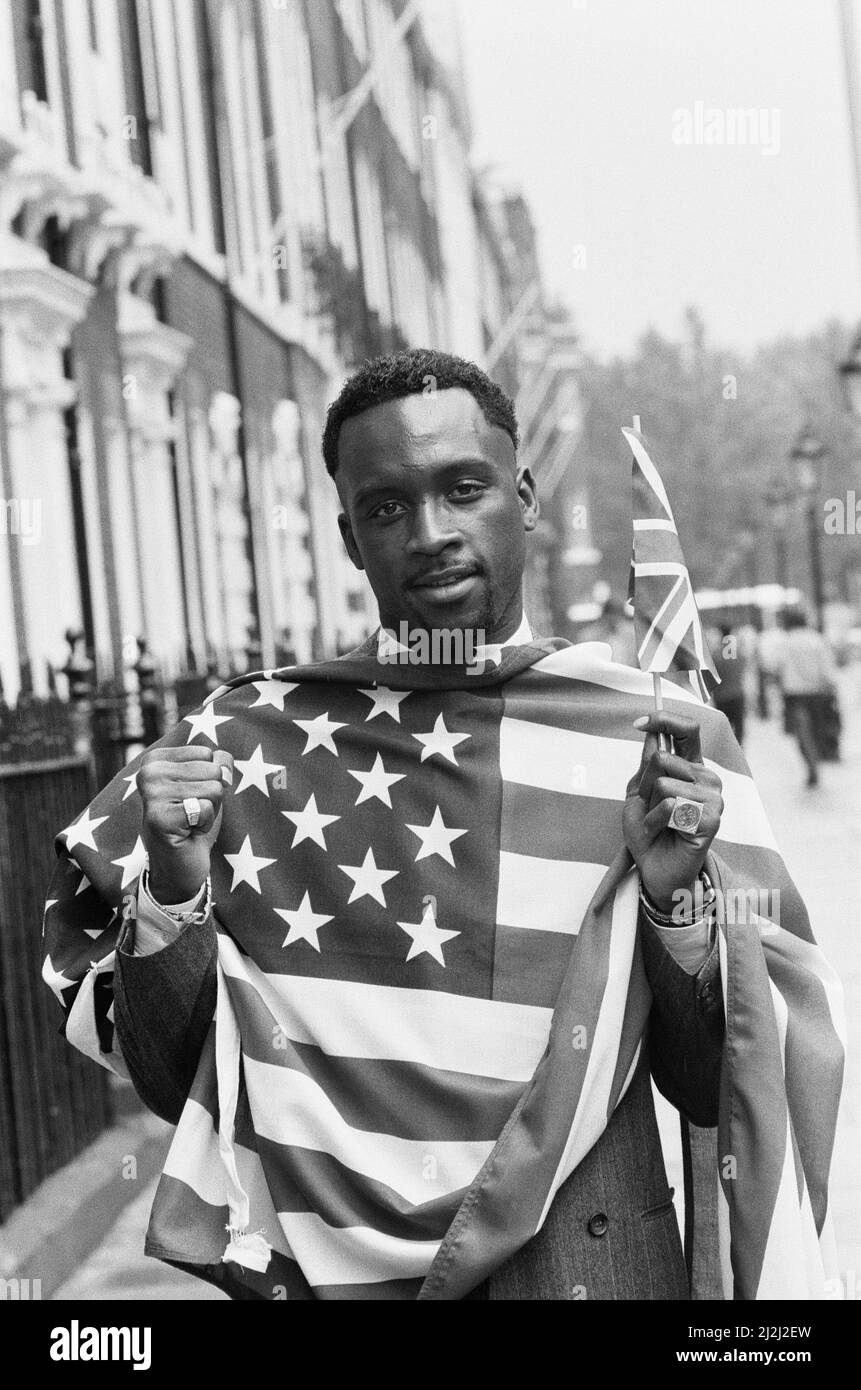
(819, 833)
(118, 1268)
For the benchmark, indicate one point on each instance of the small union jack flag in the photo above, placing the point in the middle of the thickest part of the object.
(667, 624)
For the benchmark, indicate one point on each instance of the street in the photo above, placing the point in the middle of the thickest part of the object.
(819, 832)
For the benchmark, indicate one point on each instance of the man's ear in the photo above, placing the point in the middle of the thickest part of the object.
(528, 494)
(349, 540)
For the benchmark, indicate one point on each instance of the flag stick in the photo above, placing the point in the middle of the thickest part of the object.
(659, 705)
(663, 746)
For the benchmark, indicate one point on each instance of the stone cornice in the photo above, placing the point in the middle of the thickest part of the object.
(54, 301)
(145, 339)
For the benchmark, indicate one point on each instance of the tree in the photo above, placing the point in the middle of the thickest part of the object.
(719, 426)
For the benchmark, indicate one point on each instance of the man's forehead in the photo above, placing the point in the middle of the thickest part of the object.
(428, 425)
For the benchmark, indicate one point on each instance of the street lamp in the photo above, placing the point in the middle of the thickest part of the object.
(850, 377)
(778, 496)
(807, 454)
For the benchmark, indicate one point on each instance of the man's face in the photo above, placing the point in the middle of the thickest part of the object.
(435, 512)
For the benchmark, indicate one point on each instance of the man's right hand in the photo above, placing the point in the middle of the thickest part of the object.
(179, 853)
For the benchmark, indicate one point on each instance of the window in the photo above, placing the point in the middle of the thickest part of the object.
(373, 236)
(30, 48)
(149, 63)
(182, 134)
(133, 81)
(92, 26)
(267, 129)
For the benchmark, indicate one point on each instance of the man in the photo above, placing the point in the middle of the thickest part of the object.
(402, 884)
(807, 678)
(729, 662)
(769, 648)
(615, 627)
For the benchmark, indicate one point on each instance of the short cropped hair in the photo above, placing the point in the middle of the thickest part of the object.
(412, 373)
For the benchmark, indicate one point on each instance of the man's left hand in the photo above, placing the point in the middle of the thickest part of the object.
(670, 860)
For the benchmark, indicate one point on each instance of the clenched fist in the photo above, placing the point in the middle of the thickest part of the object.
(179, 853)
(670, 860)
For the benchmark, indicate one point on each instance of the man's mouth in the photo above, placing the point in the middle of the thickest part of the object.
(446, 584)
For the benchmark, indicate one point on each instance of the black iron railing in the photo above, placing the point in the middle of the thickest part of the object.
(54, 755)
(53, 1100)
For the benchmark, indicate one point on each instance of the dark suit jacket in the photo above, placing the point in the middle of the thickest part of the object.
(611, 1232)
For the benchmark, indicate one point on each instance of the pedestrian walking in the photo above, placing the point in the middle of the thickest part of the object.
(808, 682)
(615, 627)
(729, 697)
(769, 648)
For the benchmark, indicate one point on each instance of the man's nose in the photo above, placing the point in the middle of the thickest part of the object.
(432, 529)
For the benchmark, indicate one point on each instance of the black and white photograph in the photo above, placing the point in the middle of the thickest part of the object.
(430, 666)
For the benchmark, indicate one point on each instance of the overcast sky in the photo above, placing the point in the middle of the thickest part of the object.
(574, 102)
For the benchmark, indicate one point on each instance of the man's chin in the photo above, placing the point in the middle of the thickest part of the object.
(458, 606)
(455, 618)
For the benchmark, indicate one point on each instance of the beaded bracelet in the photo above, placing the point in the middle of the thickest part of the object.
(667, 919)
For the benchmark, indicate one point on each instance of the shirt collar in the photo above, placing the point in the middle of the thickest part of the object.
(388, 645)
(492, 651)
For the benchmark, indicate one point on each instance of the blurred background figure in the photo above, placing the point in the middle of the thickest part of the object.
(731, 662)
(615, 626)
(618, 631)
(769, 649)
(808, 676)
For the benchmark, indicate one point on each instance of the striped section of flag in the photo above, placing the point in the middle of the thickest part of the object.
(667, 624)
(398, 1082)
(776, 1239)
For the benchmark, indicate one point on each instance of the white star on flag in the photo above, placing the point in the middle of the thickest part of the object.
(132, 787)
(367, 879)
(440, 741)
(427, 936)
(246, 866)
(255, 771)
(81, 833)
(55, 979)
(385, 702)
(376, 782)
(319, 731)
(309, 823)
(205, 723)
(272, 693)
(84, 883)
(436, 838)
(303, 922)
(132, 864)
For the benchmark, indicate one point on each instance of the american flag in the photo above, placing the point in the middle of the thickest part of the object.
(422, 898)
(667, 623)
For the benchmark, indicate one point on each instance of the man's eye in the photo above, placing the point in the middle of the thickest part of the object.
(470, 489)
(387, 510)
